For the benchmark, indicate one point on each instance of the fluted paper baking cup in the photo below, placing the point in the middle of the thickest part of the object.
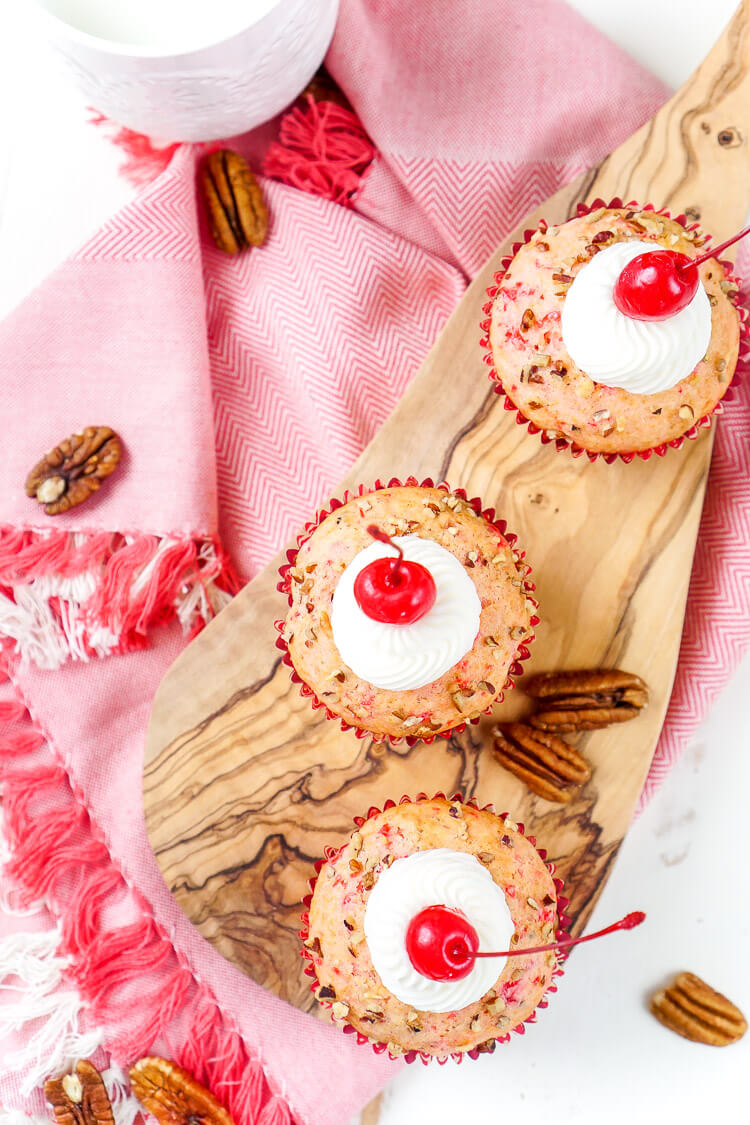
(284, 586)
(563, 922)
(562, 443)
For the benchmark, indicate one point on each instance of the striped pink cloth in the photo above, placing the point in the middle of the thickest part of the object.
(244, 389)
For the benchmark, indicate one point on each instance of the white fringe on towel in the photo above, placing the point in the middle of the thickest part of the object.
(43, 1007)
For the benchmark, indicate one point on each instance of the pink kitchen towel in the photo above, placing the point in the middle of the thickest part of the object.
(244, 389)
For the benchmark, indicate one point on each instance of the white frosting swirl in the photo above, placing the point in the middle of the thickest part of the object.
(401, 657)
(440, 877)
(641, 356)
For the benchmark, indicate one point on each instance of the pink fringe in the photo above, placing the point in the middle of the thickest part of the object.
(17, 745)
(161, 1007)
(11, 712)
(57, 854)
(32, 554)
(322, 149)
(81, 928)
(222, 1064)
(145, 160)
(114, 597)
(139, 581)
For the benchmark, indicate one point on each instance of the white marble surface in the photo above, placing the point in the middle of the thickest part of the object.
(596, 1053)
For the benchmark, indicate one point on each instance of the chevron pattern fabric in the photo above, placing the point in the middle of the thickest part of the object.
(312, 343)
(474, 203)
(717, 623)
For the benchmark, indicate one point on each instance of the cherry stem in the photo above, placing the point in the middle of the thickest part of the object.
(383, 537)
(712, 253)
(629, 922)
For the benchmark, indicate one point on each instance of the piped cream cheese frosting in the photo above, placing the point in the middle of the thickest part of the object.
(403, 657)
(444, 877)
(639, 356)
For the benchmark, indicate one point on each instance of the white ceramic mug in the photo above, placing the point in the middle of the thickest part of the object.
(190, 70)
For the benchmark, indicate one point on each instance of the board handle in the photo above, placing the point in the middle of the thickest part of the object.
(694, 155)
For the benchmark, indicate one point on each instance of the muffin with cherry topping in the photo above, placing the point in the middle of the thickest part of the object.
(409, 608)
(606, 339)
(397, 913)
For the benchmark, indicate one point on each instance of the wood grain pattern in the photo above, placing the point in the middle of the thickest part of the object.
(244, 783)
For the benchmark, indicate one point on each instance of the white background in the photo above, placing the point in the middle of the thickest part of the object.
(596, 1054)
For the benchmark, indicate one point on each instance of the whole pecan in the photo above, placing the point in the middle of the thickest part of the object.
(173, 1096)
(322, 88)
(586, 699)
(74, 469)
(548, 765)
(236, 212)
(79, 1098)
(696, 1011)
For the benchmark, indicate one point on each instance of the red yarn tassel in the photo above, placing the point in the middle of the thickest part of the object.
(322, 149)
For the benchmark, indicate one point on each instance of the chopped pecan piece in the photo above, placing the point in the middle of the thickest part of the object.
(585, 700)
(545, 763)
(79, 1098)
(237, 214)
(696, 1011)
(173, 1096)
(74, 469)
(486, 1047)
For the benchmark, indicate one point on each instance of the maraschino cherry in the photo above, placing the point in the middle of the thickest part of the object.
(443, 945)
(394, 589)
(657, 284)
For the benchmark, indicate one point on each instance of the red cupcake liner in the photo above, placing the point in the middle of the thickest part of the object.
(284, 586)
(741, 370)
(411, 1056)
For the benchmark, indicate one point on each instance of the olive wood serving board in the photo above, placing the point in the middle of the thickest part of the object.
(245, 784)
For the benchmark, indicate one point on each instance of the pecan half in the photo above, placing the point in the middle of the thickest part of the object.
(548, 765)
(173, 1096)
(586, 699)
(696, 1011)
(322, 88)
(237, 214)
(79, 1098)
(74, 469)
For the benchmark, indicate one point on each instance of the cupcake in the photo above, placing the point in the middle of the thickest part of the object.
(594, 377)
(409, 609)
(390, 909)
